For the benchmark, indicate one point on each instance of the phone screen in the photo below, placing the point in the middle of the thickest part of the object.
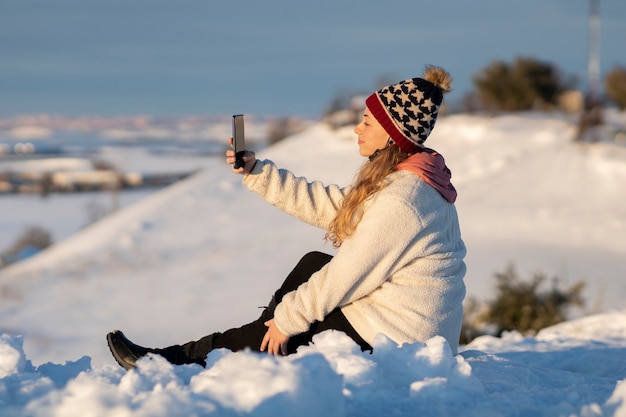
(239, 143)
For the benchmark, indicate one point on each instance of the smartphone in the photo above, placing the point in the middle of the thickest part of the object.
(239, 143)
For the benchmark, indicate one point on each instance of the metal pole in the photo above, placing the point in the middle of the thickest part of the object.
(591, 116)
(594, 52)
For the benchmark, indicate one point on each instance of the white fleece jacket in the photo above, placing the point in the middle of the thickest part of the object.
(400, 273)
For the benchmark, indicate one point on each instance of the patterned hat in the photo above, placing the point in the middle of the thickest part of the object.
(408, 110)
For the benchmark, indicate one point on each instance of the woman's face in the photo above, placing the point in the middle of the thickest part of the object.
(372, 136)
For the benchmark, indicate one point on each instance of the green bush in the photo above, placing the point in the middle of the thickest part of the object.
(615, 86)
(525, 84)
(521, 305)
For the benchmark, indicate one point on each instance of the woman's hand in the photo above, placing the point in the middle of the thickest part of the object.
(249, 160)
(274, 340)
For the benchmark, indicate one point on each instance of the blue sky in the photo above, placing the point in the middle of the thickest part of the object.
(271, 57)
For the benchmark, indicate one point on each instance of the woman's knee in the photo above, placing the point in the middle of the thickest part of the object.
(307, 266)
(315, 258)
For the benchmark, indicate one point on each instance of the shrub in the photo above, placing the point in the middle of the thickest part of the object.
(521, 305)
(615, 86)
(34, 236)
(523, 85)
(33, 240)
(282, 127)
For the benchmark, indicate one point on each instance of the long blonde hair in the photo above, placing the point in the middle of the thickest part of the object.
(369, 180)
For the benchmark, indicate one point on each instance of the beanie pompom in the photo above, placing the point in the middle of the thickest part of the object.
(439, 77)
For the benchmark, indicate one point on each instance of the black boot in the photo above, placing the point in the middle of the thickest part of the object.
(126, 353)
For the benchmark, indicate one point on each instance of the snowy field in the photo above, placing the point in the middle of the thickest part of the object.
(203, 254)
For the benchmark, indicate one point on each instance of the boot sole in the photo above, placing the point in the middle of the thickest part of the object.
(118, 358)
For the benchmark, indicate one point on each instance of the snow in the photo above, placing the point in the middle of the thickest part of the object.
(552, 374)
(201, 255)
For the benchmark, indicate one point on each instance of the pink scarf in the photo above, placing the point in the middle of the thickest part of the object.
(431, 167)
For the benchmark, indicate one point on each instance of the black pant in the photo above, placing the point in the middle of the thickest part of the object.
(251, 335)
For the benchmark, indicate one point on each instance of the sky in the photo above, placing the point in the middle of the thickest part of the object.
(204, 253)
(276, 57)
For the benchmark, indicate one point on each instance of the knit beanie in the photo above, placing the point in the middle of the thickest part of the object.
(408, 110)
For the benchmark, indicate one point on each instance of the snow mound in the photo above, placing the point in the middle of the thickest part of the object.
(557, 373)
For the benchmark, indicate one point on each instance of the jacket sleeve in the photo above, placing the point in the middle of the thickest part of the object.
(311, 202)
(364, 262)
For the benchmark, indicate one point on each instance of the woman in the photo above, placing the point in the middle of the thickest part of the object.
(399, 266)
